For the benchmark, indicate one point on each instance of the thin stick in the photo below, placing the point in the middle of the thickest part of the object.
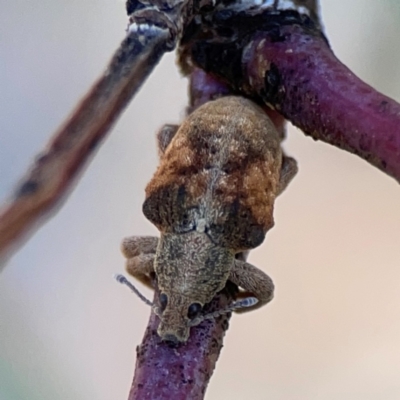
(58, 167)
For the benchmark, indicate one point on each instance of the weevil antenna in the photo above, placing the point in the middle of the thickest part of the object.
(121, 279)
(244, 303)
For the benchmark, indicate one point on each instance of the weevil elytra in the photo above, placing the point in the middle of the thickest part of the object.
(211, 198)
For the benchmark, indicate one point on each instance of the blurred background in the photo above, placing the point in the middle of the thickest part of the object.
(68, 331)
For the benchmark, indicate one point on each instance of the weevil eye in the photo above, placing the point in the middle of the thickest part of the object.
(163, 301)
(194, 310)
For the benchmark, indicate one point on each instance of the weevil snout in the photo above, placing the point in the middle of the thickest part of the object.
(175, 336)
(175, 317)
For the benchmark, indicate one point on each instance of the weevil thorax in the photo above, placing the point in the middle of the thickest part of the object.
(211, 197)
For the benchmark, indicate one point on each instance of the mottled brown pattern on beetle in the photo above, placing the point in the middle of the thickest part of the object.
(211, 197)
(226, 164)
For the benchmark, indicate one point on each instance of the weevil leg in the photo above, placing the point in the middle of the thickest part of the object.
(134, 245)
(140, 252)
(141, 267)
(288, 171)
(164, 137)
(255, 283)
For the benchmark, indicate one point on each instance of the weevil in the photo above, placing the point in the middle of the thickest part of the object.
(212, 197)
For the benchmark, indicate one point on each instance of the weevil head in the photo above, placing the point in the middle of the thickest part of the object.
(190, 271)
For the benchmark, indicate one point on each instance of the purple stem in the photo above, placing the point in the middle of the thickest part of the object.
(204, 87)
(289, 65)
(165, 372)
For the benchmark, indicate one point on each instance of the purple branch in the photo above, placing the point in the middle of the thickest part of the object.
(165, 372)
(204, 87)
(286, 61)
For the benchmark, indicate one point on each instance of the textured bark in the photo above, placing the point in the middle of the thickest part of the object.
(284, 60)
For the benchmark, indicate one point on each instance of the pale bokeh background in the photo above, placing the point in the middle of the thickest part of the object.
(68, 331)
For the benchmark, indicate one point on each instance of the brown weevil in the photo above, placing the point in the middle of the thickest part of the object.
(211, 198)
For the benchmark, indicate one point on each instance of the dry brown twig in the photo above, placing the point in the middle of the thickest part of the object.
(58, 167)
